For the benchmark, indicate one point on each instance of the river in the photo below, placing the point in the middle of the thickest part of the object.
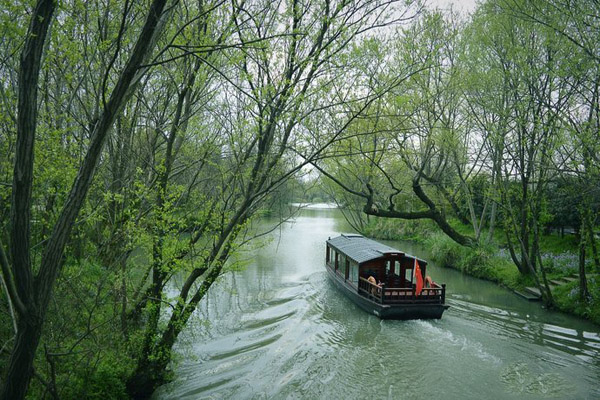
(278, 329)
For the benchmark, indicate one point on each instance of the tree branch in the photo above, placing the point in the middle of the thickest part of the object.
(339, 183)
(13, 295)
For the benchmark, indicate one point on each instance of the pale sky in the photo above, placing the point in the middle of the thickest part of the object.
(464, 6)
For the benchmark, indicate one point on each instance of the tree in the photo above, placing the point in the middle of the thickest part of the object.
(541, 83)
(282, 71)
(421, 144)
(31, 294)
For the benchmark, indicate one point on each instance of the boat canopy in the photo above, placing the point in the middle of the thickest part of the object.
(361, 249)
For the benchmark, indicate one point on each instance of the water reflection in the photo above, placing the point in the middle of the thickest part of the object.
(280, 330)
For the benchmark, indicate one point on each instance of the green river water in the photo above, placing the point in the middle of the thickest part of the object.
(278, 329)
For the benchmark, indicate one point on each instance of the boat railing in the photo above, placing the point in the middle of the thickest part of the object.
(382, 294)
(368, 289)
(435, 294)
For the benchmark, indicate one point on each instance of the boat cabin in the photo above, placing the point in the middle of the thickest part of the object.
(381, 274)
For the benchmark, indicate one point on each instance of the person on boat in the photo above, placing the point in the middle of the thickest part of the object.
(429, 283)
(376, 286)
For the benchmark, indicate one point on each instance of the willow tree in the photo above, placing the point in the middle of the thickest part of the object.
(577, 24)
(487, 99)
(280, 70)
(420, 157)
(531, 86)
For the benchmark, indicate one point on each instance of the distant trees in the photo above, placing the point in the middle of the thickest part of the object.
(573, 107)
(529, 61)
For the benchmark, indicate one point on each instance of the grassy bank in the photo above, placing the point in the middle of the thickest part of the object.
(491, 261)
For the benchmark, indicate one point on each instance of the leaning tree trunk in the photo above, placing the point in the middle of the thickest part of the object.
(151, 371)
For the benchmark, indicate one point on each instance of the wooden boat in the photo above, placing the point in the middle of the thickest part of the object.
(382, 280)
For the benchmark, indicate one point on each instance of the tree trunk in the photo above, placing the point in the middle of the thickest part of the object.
(29, 327)
(524, 233)
(492, 222)
(20, 367)
(548, 298)
(151, 371)
(513, 254)
(494, 210)
(146, 379)
(123, 294)
(432, 213)
(592, 239)
(583, 289)
(535, 245)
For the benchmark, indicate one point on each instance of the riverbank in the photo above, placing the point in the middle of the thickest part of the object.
(490, 261)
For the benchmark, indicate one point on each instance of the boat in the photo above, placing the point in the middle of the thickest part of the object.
(382, 280)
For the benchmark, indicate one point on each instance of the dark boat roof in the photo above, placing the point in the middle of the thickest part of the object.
(361, 249)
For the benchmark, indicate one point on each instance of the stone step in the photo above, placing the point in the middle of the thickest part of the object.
(533, 291)
(527, 296)
(557, 282)
(569, 279)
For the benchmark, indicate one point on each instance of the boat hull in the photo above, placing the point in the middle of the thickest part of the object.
(403, 311)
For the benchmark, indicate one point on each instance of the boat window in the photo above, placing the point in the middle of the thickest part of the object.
(387, 267)
(397, 267)
(408, 275)
(354, 272)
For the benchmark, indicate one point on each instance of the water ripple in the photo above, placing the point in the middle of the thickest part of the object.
(512, 325)
(281, 330)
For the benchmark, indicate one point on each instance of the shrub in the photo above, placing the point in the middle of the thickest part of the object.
(566, 298)
(444, 250)
(106, 381)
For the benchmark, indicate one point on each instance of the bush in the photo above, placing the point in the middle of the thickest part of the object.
(107, 381)
(477, 262)
(90, 356)
(444, 250)
(396, 229)
(567, 299)
(484, 261)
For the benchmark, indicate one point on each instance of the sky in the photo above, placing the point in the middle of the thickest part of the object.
(466, 6)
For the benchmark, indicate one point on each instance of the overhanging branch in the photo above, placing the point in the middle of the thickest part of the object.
(339, 183)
